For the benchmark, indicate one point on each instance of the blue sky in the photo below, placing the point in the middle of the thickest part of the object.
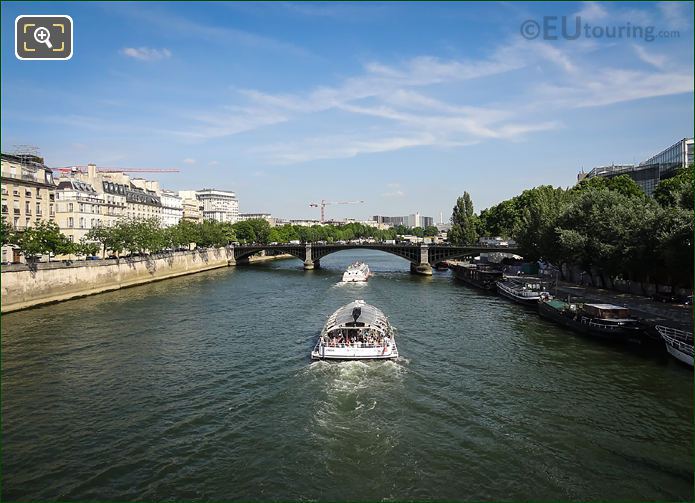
(402, 105)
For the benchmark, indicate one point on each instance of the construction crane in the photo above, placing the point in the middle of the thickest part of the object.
(72, 169)
(323, 205)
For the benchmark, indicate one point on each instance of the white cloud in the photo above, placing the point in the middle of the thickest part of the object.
(657, 60)
(607, 87)
(338, 147)
(188, 160)
(402, 106)
(146, 53)
(592, 11)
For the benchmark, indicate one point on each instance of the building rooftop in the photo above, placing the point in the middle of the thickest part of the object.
(75, 185)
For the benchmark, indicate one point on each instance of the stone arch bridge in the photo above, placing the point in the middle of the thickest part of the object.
(420, 256)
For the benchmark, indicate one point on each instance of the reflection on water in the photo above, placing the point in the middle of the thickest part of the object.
(201, 387)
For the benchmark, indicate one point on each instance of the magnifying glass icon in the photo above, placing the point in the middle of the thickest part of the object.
(43, 36)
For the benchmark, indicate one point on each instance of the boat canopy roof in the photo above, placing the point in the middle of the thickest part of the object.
(607, 311)
(369, 315)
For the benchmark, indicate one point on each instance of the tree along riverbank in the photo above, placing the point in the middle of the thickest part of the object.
(608, 227)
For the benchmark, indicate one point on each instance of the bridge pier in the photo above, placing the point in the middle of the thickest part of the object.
(312, 264)
(422, 269)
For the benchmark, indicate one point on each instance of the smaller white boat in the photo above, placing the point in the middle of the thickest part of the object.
(679, 343)
(356, 331)
(356, 273)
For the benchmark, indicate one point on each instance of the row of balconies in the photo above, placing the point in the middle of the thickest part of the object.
(17, 211)
(27, 194)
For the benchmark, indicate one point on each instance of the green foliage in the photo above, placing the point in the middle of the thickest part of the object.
(539, 210)
(7, 232)
(463, 222)
(609, 229)
(500, 220)
(677, 191)
(129, 235)
(87, 248)
(43, 238)
(622, 184)
(673, 231)
(608, 225)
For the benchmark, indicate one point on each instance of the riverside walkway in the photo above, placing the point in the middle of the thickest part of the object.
(654, 313)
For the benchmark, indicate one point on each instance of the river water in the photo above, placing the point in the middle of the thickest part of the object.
(201, 387)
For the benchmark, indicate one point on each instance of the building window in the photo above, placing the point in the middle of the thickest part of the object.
(51, 210)
(71, 207)
(16, 222)
(27, 193)
(27, 208)
(38, 209)
(71, 222)
(81, 222)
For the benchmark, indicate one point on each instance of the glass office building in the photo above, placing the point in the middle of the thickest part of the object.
(649, 173)
(677, 155)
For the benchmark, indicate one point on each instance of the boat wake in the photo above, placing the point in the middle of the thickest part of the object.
(351, 409)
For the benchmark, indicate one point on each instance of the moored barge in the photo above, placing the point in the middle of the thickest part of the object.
(605, 321)
(526, 290)
(478, 275)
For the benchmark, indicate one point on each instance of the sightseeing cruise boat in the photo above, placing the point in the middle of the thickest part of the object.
(606, 321)
(679, 343)
(356, 273)
(356, 331)
(525, 290)
(478, 275)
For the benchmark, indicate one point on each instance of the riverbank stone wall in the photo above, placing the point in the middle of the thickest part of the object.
(26, 286)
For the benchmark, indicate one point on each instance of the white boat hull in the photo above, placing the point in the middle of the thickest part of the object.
(679, 355)
(356, 331)
(354, 279)
(356, 273)
(679, 343)
(505, 291)
(332, 353)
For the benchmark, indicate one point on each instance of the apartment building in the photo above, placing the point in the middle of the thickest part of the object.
(79, 208)
(28, 194)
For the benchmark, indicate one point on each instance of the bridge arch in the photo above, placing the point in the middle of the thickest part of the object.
(420, 256)
(243, 253)
(409, 253)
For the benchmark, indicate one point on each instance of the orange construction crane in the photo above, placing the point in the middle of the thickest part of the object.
(323, 205)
